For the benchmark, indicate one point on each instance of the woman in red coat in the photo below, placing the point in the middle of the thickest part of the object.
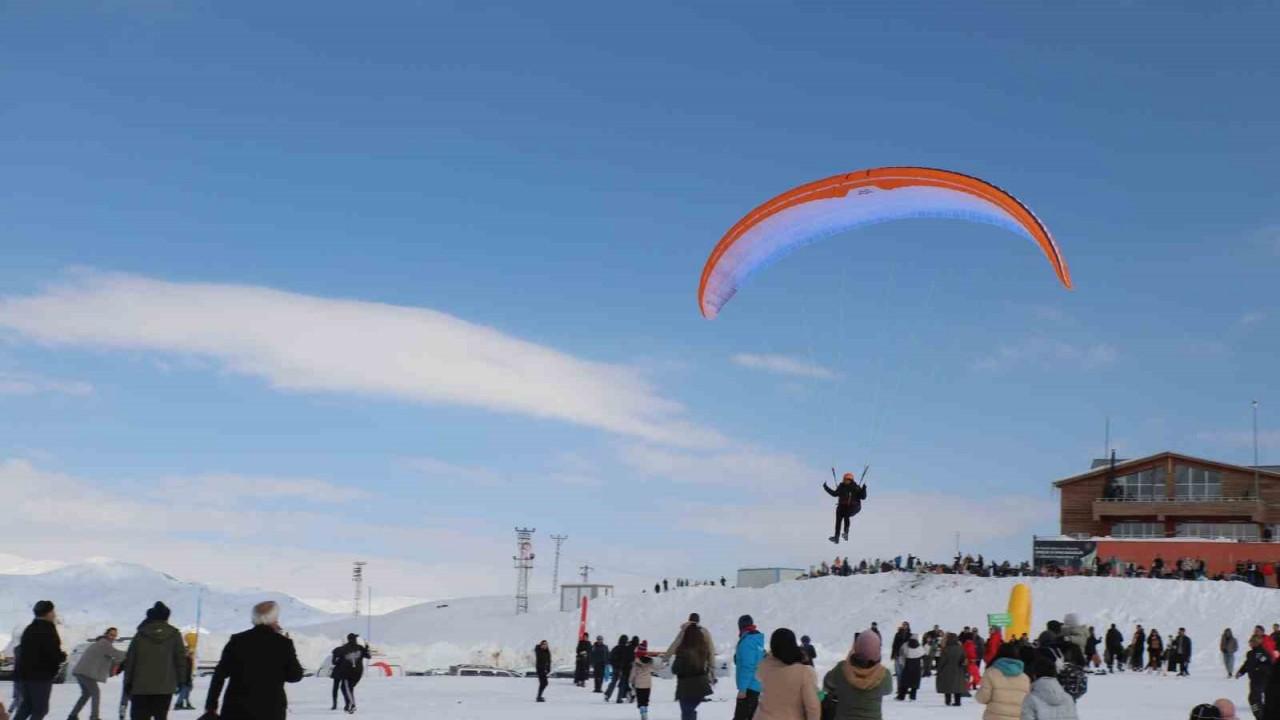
(971, 662)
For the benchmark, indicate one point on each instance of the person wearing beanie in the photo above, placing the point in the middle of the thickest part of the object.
(1004, 686)
(348, 667)
(618, 661)
(40, 656)
(789, 687)
(255, 665)
(642, 678)
(1047, 700)
(1205, 711)
(153, 665)
(746, 660)
(859, 683)
(952, 677)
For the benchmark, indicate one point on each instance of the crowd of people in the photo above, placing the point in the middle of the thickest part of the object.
(960, 565)
(1184, 568)
(665, 586)
(158, 668)
(1015, 678)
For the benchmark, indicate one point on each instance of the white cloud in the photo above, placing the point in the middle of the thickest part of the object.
(741, 466)
(784, 365)
(24, 384)
(313, 344)
(228, 488)
(55, 517)
(441, 471)
(1251, 318)
(1039, 349)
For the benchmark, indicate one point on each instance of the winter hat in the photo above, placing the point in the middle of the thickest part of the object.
(695, 618)
(42, 608)
(745, 622)
(642, 649)
(1071, 619)
(159, 612)
(867, 646)
(804, 639)
(1205, 711)
(1055, 627)
(351, 637)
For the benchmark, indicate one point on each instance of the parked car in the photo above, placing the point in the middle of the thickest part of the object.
(482, 671)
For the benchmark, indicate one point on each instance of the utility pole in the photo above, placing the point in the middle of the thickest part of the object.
(1257, 486)
(555, 572)
(585, 571)
(524, 566)
(357, 577)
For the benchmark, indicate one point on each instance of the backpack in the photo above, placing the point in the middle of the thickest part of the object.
(1072, 677)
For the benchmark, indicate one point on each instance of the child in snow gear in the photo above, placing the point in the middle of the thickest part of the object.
(542, 667)
(849, 496)
(642, 678)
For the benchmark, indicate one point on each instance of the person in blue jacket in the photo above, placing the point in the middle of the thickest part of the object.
(746, 658)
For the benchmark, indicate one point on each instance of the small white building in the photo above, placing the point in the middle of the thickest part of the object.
(571, 594)
(763, 577)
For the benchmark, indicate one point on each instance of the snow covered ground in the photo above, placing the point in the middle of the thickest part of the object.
(1119, 697)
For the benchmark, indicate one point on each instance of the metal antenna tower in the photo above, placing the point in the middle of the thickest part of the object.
(555, 573)
(585, 571)
(357, 577)
(524, 565)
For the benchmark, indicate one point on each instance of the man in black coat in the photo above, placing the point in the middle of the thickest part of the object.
(40, 657)
(1115, 648)
(348, 668)
(599, 660)
(1182, 651)
(257, 662)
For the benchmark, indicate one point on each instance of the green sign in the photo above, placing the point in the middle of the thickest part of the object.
(999, 620)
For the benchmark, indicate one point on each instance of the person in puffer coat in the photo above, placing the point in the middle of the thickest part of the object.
(1047, 700)
(912, 656)
(642, 678)
(746, 660)
(153, 665)
(859, 682)
(788, 686)
(1004, 686)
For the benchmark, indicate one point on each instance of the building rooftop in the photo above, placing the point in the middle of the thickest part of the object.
(1101, 469)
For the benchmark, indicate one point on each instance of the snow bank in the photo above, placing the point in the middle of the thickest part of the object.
(830, 610)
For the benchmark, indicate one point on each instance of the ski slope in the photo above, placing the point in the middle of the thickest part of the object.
(830, 610)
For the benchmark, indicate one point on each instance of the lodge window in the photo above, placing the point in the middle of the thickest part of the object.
(1198, 483)
(1230, 531)
(1134, 530)
(1144, 485)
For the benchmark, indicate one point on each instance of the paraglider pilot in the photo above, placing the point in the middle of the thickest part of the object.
(849, 496)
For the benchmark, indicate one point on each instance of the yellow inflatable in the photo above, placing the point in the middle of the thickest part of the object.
(1019, 612)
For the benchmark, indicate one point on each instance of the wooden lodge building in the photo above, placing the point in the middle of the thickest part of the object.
(1175, 506)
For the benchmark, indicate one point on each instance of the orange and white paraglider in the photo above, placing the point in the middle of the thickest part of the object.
(843, 202)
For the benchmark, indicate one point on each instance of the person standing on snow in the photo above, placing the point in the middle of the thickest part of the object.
(599, 660)
(809, 650)
(1136, 647)
(746, 660)
(1091, 657)
(789, 687)
(39, 656)
(859, 683)
(1182, 652)
(93, 668)
(1115, 648)
(994, 641)
(909, 676)
(348, 669)
(1228, 646)
(694, 624)
(952, 677)
(1257, 665)
(542, 667)
(1047, 700)
(693, 666)
(153, 665)
(617, 661)
(581, 661)
(186, 681)
(1004, 686)
(642, 678)
(849, 496)
(255, 665)
(900, 638)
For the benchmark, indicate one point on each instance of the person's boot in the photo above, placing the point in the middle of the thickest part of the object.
(835, 539)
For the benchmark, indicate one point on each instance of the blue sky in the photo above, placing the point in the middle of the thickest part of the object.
(260, 249)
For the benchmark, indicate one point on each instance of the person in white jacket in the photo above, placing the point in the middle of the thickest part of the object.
(1047, 700)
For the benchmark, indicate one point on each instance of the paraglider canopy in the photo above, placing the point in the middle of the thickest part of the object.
(842, 202)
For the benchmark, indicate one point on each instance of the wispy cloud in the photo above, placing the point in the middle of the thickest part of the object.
(1039, 349)
(785, 365)
(24, 384)
(305, 343)
(226, 488)
(742, 466)
(1251, 318)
